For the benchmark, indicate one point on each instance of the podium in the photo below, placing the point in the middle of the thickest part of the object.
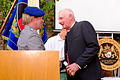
(29, 65)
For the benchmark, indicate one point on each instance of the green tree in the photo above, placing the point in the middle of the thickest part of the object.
(5, 6)
(49, 7)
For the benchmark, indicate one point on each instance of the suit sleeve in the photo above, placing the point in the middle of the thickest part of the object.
(92, 46)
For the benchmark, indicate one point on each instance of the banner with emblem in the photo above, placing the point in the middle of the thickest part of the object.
(43, 33)
(13, 29)
(109, 54)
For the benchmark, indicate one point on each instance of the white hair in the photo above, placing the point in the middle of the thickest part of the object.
(67, 12)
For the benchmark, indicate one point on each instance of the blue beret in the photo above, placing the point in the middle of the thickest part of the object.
(34, 11)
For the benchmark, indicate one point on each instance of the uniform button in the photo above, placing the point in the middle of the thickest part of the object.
(31, 29)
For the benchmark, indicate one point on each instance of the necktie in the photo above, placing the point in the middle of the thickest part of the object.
(66, 50)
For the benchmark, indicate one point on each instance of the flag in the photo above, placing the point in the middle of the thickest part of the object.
(43, 33)
(15, 26)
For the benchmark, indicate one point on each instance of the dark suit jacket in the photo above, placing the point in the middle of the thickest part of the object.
(82, 47)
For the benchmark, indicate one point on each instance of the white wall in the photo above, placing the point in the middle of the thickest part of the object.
(103, 14)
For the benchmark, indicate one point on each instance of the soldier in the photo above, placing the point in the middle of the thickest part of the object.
(29, 38)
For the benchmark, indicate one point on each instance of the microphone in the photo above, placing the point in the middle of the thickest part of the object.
(66, 64)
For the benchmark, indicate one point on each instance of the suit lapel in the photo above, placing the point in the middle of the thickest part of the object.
(69, 34)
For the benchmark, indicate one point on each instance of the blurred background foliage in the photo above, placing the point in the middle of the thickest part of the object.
(48, 6)
(5, 6)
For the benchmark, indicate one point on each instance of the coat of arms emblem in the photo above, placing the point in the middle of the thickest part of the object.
(109, 54)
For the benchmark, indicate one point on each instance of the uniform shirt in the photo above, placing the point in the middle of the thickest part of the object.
(30, 40)
(56, 43)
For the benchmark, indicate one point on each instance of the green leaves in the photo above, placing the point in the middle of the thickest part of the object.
(48, 7)
(5, 6)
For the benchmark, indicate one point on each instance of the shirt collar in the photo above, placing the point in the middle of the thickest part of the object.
(59, 38)
(71, 26)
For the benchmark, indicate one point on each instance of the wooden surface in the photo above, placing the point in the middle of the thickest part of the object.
(29, 65)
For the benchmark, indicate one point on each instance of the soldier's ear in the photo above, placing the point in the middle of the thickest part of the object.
(33, 18)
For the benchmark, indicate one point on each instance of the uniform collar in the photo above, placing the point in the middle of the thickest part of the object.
(32, 29)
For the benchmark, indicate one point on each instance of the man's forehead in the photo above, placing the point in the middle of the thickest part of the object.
(61, 14)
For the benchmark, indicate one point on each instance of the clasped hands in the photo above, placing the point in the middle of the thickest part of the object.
(72, 68)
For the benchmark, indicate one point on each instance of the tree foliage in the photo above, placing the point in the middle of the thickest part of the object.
(49, 7)
(5, 6)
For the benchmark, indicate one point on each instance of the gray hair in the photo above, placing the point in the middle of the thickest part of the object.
(26, 18)
(67, 12)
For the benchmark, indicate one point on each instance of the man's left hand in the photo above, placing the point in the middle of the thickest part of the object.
(72, 68)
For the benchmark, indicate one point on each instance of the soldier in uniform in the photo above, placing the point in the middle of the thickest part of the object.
(29, 38)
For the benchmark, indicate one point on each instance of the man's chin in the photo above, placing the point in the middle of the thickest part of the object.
(64, 27)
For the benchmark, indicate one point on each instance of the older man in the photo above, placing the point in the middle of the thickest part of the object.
(81, 48)
(29, 38)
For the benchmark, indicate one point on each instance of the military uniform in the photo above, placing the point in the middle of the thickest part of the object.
(30, 40)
